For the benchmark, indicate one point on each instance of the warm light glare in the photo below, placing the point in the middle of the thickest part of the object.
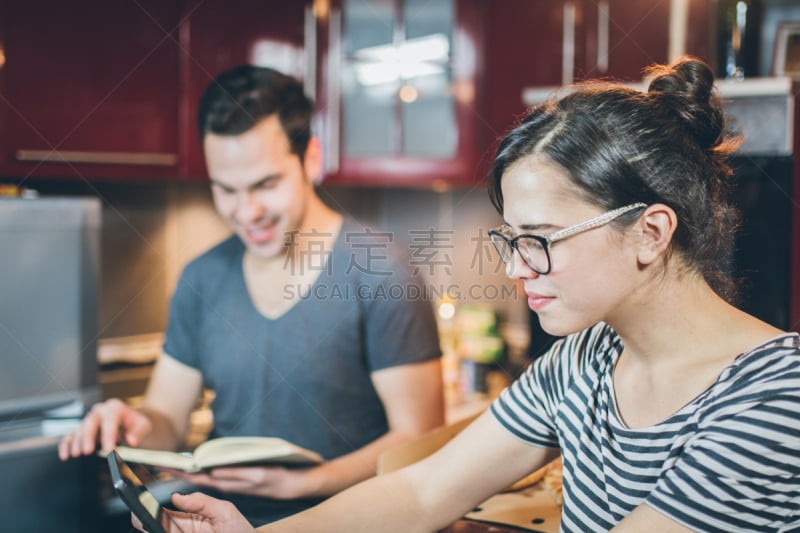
(434, 47)
(414, 58)
(447, 311)
(321, 9)
(408, 93)
(283, 57)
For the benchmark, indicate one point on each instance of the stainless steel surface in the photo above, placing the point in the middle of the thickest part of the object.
(38, 492)
(48, 312)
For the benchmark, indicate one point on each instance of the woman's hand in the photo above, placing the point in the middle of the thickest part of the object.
(199, 513)
(269, 482)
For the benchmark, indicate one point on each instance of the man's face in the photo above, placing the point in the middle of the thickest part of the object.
(259, 186)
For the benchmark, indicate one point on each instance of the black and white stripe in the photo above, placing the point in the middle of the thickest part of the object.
(727, 461)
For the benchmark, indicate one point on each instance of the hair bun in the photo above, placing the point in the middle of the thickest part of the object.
(687, 88)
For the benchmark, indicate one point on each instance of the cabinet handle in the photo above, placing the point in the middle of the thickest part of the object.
(678, 22)
(568, 45)
(98, 158)
(603, 27)
(333, 122)
(310, 53)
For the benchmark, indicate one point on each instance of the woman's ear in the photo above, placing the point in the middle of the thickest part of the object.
(658, 224)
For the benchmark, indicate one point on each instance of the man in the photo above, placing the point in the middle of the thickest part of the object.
(290, 321)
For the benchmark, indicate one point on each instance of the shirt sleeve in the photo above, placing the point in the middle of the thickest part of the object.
(741, 472)
(184, 319)
(529, 407)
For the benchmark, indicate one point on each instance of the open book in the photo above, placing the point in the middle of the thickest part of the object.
(225, 451)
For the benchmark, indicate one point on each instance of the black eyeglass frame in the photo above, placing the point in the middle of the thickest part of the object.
(547, 241)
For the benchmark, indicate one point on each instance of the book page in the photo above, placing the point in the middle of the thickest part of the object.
(156, 458)
(236, 450)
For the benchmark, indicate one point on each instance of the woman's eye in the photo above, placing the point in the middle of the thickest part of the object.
(531, 244)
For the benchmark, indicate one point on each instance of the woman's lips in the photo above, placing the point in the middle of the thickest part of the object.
(538, 301)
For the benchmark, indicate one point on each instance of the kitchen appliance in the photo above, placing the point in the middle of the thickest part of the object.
(48, 328)
(49, 261)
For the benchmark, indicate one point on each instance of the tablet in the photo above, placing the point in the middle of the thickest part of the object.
(132, 491)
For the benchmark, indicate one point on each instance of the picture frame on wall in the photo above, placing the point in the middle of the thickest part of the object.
(786, 56)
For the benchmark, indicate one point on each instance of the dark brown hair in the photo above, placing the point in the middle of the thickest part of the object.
(241, 97)
(620, 146)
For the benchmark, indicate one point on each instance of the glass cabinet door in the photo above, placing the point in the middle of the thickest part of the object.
(396, 78)
(425, 93)
(402, 89)
(369, 78)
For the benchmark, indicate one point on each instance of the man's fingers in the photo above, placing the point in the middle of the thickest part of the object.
(111, 419)
(86, 440)
(65, 446)
(136, 426)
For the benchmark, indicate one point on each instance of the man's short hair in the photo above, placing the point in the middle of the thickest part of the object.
(241, 97)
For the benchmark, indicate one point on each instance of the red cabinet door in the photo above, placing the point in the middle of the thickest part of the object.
(524, 48)
(638, 37)
(221, 34)
(620, 38)
(547, 43)
(89, 89)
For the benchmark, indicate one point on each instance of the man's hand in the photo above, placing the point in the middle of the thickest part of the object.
(111, 421)
(199, 513)
(271, 482)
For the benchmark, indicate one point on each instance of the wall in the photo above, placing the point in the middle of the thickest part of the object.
(462, 261)
(150, 231)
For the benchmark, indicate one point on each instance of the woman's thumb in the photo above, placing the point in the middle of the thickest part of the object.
(191, 503)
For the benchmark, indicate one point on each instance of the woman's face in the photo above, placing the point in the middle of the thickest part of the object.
(593, 273)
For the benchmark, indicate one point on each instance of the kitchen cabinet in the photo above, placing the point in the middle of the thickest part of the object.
(400, 91)
(89, 90)
(525, 42)
(221, 34)
(621, 37)
(638, 35)
(38, 492)
(555, 42)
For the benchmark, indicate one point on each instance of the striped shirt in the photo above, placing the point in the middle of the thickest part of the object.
(727, 461)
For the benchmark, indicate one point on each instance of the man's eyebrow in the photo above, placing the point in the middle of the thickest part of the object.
(218, 183)
(263, 181)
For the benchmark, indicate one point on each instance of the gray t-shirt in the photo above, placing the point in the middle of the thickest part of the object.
(304, 376)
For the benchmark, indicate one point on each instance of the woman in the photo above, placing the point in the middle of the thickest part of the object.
(672, 409)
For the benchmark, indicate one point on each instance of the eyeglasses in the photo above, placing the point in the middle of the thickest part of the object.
(535, 249)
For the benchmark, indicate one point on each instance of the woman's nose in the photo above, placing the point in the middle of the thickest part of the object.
(517, 268)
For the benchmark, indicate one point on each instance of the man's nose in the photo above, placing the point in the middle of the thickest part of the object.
(249, 207)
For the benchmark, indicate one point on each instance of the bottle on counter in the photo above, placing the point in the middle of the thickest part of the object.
(738, 29)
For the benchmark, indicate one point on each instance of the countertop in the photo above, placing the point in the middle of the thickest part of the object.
(752, 87)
